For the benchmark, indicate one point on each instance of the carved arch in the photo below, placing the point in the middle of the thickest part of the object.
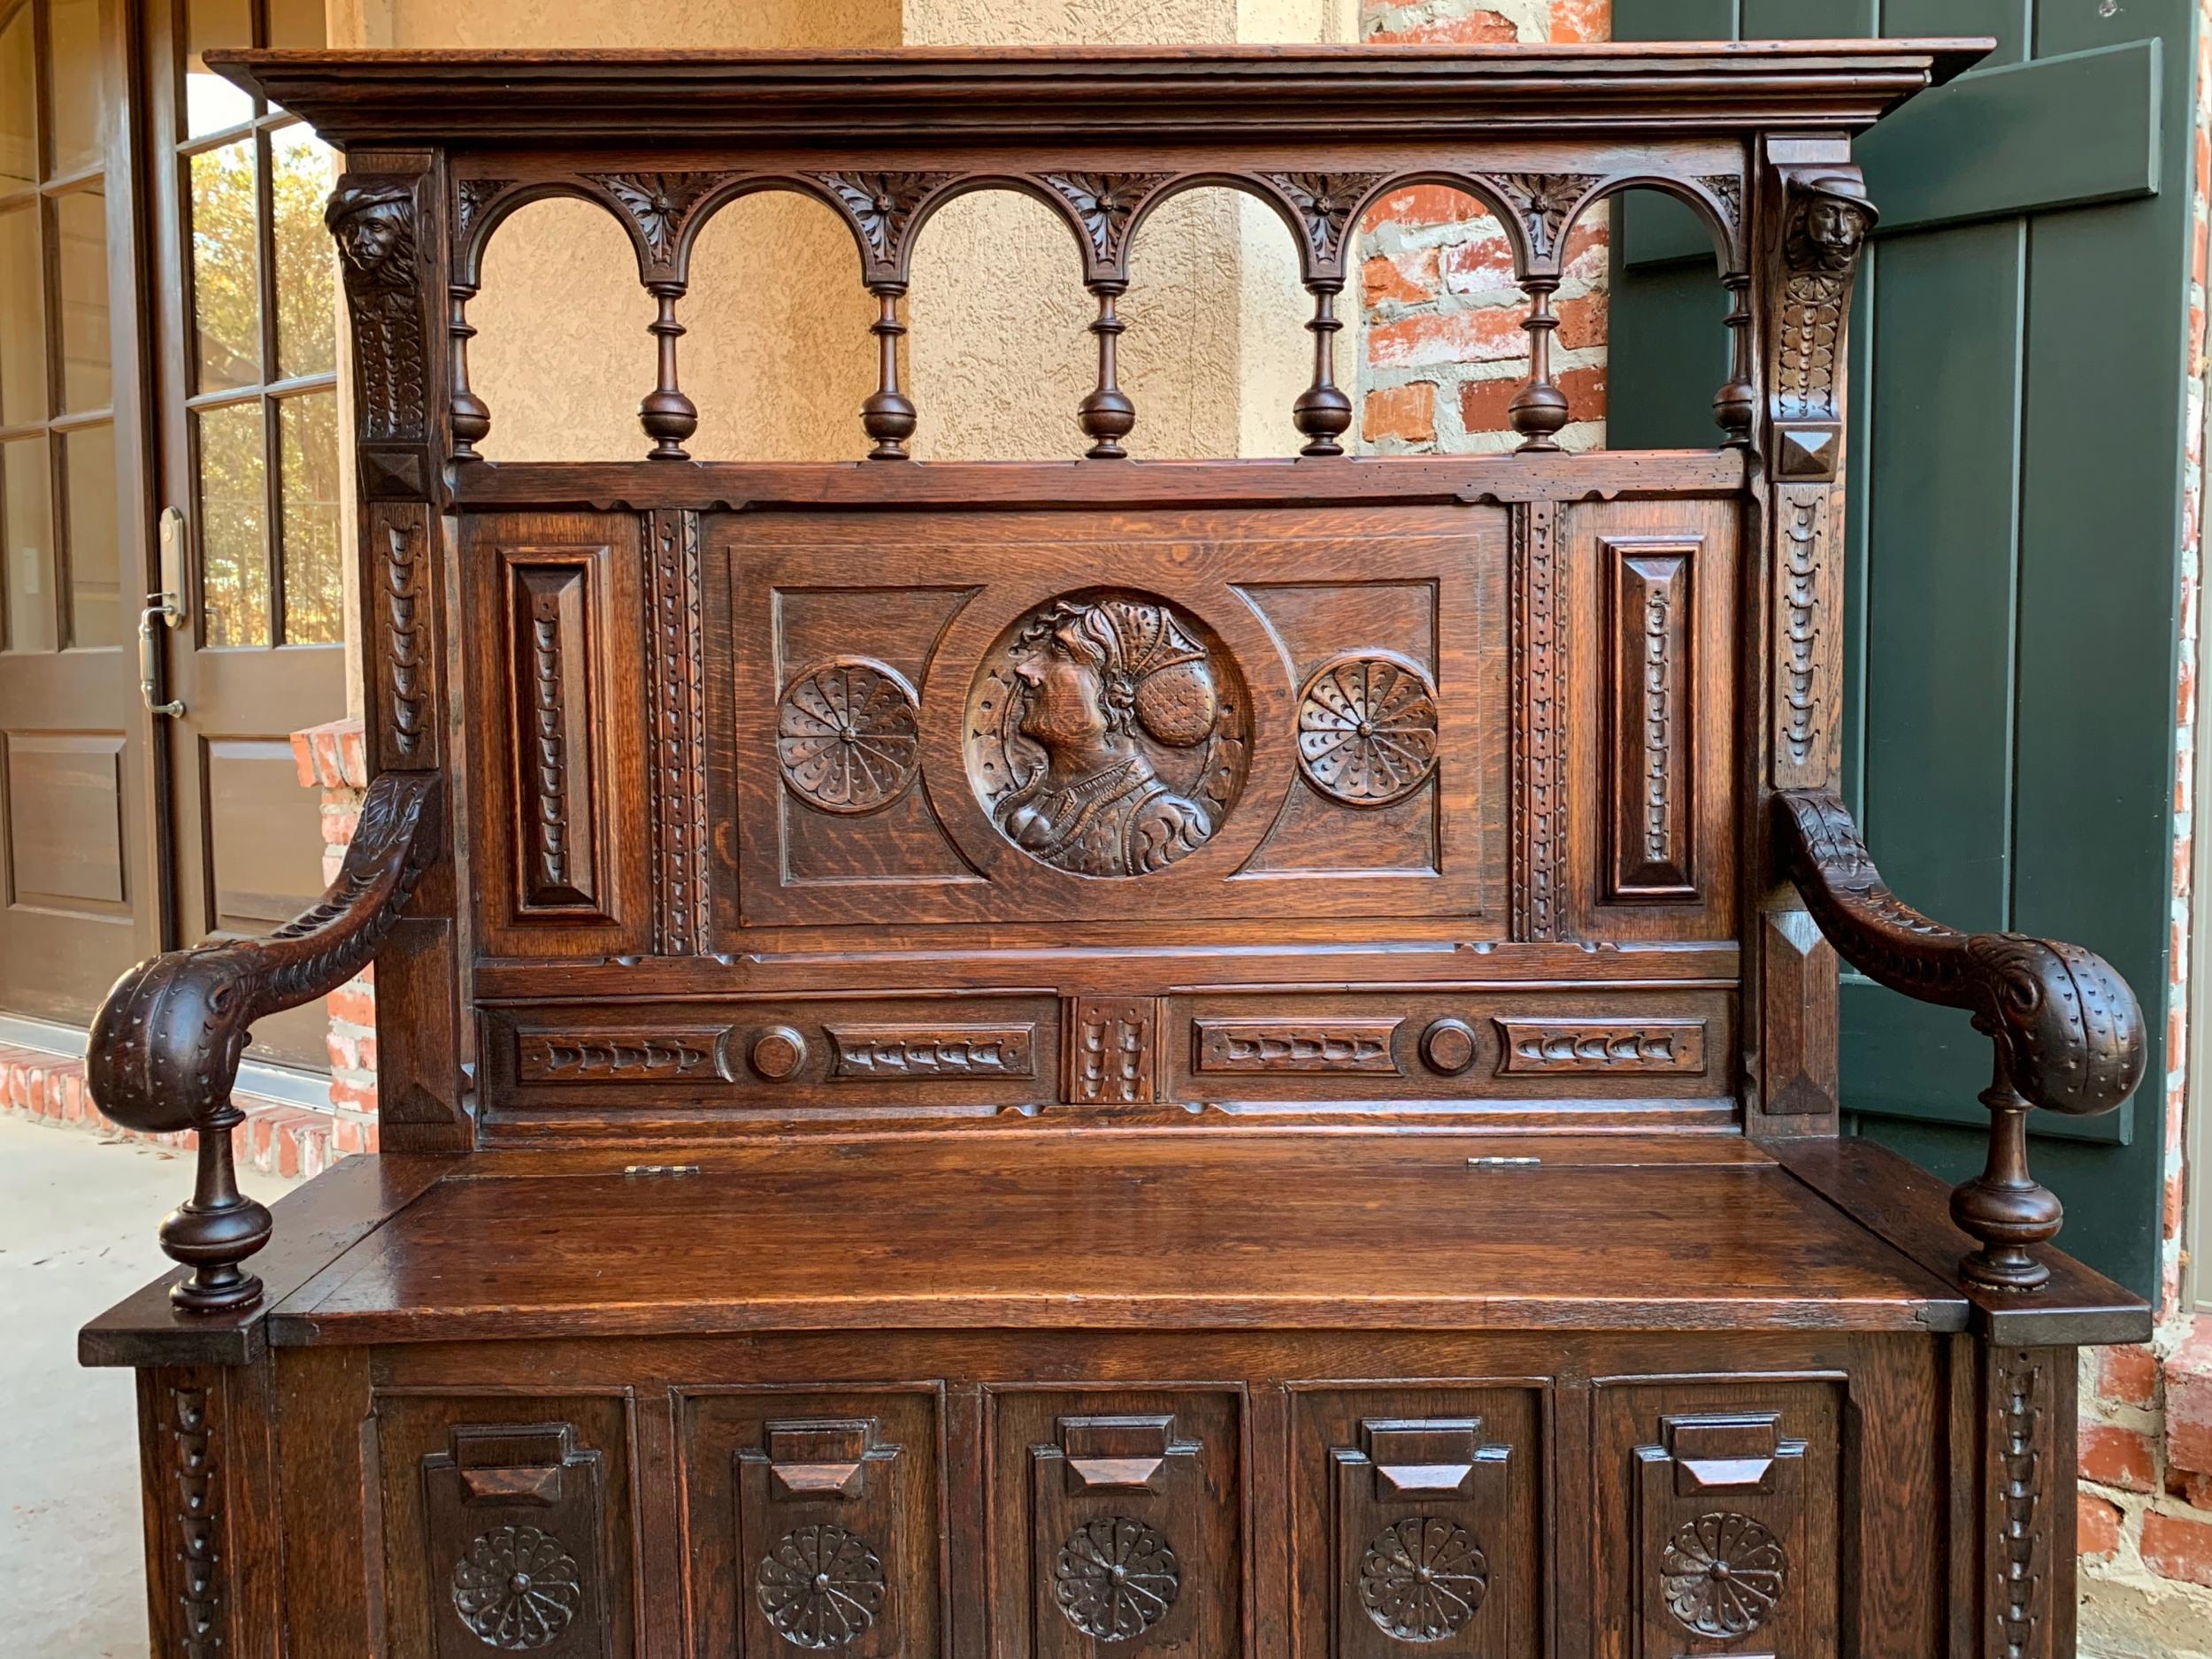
(1271, 193)
(1479, 190)
(477, 214)
(1723, 218)
(1031, 185)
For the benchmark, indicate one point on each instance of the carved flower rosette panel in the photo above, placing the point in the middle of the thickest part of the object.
(1114, 1578)
(1723, 1574)
(1422, 1579)
(821, 1587)
(517, 1589)
(1367, 728)
(848, 735)
(1108, 732)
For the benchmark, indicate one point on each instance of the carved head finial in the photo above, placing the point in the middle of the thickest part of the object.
(1829, 220)
(375, 223)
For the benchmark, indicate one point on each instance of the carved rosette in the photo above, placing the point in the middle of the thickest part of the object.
(881, 208)
(1326, 203)
(1541, 202)
(517, 1589)
(1723, 1573)
(374, 220)
(1422, 1579)
(848, 735)
(1105, 204)
(658, 205)
(1367, 729)
(821, 1587)
(1114, 1578)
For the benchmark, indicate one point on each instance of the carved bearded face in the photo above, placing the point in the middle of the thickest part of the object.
(1829, 229)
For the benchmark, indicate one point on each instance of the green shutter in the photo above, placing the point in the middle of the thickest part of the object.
(2014, 526)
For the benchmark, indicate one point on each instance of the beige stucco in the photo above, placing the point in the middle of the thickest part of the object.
(779, 356)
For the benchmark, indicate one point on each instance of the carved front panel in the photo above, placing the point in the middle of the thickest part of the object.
(1249, 719)
(816, 1522)
(1720, 1518)
(1418, 1522)
(507, 1525)
(1114, 1524)
(1649, 598)
(554, 688)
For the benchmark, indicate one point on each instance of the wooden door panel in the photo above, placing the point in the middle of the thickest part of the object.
(815, 1521)
(64, 821)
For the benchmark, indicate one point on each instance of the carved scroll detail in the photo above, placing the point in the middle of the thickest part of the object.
(1648, 824)
(1601, 1046)
(1110, 1050)
(932, 1051)
(1296, 1046)
(1540, 761)
(660, 204)
(1106, 203)
(1726, 189)
(1797, 675)
(681, 880)
(471, 198)
(616, 1056)
(197, 1496)
(375, 222)
(1541, 201)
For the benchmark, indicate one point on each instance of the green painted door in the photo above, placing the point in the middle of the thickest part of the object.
(2018, 396)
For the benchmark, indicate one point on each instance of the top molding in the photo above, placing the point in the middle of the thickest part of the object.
(950, 98)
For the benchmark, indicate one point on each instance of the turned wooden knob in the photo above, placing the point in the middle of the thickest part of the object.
(1448, 1045)
(778, 1053)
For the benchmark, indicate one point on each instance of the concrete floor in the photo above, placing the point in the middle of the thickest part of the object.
(76, 1220)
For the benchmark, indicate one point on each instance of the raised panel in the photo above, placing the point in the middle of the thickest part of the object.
(507, 1524)
(64, 821)
(815, 1521)
(1650, 727)
(549, 652)
(1114, 1523)
(1720, 1519)
(1418, 1521)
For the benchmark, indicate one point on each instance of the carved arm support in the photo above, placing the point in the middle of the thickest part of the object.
(166, 1045)
(2067, 1032)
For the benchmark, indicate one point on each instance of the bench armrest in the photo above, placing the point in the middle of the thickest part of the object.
(2067, 1030)
(163, 1049)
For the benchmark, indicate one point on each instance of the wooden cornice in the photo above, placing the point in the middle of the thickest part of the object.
(928, 99)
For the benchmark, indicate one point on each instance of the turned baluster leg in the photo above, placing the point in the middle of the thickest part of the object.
(2005, 1207)
(888, 413)
(1323, 412)
(218, 1226)
(1539, 409)
(1107, 415)
(666, 414)
(471, 416)
(1734, 404)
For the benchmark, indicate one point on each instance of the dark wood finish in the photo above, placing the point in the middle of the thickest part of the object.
(1213, 1058)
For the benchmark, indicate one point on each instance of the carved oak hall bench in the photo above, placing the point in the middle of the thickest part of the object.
(1110, 1057)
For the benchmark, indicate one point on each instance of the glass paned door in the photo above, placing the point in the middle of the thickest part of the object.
(250, 433)
(79, 896)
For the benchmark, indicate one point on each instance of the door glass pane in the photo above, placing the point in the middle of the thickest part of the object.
(95, 605)
(314, 584)
(22, 318)
(212, 103)
(26, 542)
(225, 296)
(296, 23)
(81, 221)
(18, 128)
(300, 176)
(233, 526)
(74, 82)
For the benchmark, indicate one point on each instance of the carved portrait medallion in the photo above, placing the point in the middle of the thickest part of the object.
(1108, 733)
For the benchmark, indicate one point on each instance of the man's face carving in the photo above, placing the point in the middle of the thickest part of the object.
(1063, 704)
(368, 240)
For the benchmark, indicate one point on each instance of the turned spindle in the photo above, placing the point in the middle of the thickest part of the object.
(470, 417)
(218, 1226)
(666, 414)
(1736, 403)
(1107, 415)
(1539, 409)
(1323, 412)
(2005, 1209)
(888, 413)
